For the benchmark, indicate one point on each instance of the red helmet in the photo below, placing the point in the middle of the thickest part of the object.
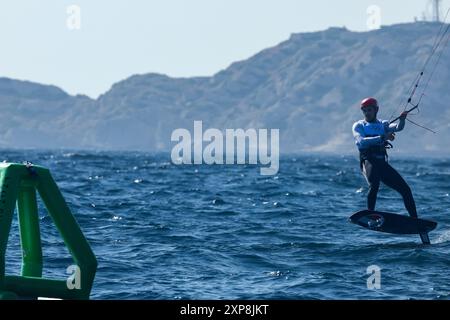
(369, 102)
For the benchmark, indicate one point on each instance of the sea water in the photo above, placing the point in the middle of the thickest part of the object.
(163, 231)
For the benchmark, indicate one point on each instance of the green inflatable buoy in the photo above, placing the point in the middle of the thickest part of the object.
(18, 184)
(8, 295)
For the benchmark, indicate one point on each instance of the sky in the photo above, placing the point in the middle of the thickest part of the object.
(85, 46)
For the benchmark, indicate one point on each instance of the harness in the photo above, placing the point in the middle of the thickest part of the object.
(375, 152)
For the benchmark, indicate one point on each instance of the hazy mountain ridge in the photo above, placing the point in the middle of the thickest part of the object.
(308, 86)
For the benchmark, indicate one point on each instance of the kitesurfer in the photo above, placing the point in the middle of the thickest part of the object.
(373, 137)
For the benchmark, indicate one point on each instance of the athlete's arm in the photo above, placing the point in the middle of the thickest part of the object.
(398, 126)
(364, 142)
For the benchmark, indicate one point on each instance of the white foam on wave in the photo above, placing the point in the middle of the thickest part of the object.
(443, 237)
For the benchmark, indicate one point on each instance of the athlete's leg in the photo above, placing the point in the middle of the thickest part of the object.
(394, 180)
(371, 173)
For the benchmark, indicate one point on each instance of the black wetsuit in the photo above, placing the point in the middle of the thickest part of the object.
(376, 171)
(370, 140)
